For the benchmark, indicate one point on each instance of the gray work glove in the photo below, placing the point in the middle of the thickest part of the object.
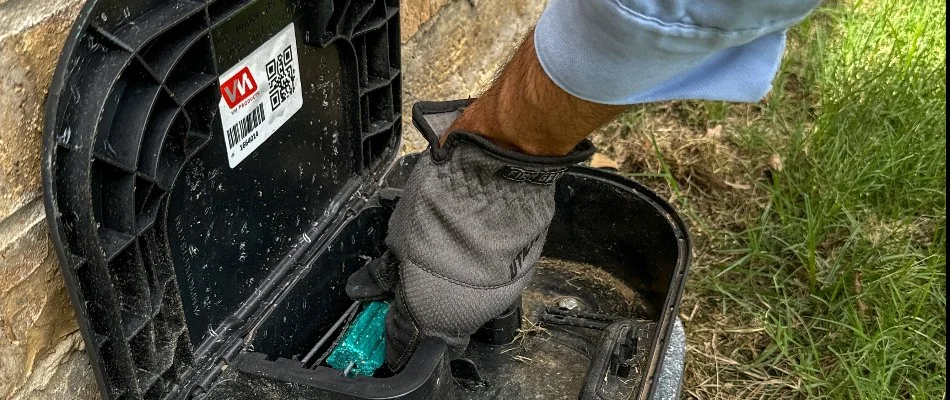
(465, 236)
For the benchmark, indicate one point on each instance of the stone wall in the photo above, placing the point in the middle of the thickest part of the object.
(40, 347)
(458, 52)
(452, 48)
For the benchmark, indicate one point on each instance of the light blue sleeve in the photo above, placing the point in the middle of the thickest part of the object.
(639, 51)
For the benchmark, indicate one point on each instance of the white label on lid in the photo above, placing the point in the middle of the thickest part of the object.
(260, 94)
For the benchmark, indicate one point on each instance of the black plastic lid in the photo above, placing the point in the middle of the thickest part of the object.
(193, 151)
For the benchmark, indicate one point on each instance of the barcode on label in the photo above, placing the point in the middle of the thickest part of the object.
(245, 126)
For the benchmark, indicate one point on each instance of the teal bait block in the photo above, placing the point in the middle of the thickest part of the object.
(362, 349)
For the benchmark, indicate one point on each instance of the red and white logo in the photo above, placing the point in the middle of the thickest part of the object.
(240, 87)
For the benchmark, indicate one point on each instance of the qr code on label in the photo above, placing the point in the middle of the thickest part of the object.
(281, 76)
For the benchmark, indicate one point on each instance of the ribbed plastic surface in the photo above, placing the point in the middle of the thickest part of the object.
(133, 167)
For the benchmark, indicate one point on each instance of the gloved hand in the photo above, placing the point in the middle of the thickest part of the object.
(464, 238)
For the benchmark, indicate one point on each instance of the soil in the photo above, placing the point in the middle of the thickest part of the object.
(547, 362)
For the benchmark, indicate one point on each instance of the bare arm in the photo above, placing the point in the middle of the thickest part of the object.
(525, 110)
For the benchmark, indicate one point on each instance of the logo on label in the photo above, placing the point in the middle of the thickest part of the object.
(237, 89)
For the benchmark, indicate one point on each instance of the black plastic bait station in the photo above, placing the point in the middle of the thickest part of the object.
(214, 171)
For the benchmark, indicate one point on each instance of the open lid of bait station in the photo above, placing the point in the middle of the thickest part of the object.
(193, 150)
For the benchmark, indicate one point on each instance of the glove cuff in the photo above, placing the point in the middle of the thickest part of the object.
(434, 118)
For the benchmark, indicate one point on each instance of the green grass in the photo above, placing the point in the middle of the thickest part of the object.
(846, 265)
(853, 244)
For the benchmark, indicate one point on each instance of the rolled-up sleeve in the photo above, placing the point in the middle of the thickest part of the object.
(638, 51)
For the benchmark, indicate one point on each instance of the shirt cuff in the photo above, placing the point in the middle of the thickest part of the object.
(637, 51)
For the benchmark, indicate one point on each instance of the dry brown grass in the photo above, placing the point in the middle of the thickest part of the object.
(819, 272)
(694, 163)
